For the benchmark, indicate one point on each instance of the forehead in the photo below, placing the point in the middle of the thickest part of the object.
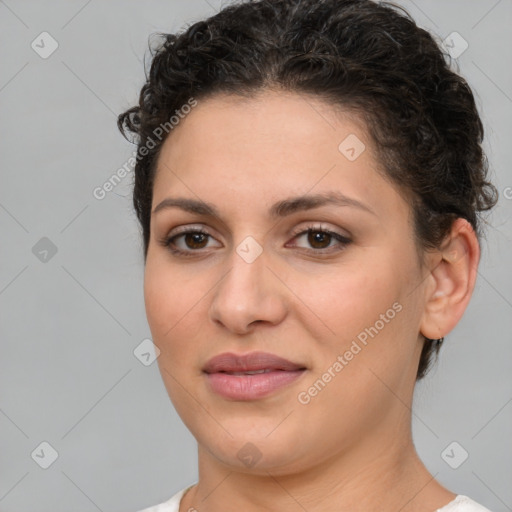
(272, 145)
(271, 120)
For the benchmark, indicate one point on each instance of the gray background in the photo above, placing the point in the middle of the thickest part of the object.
(70, 324)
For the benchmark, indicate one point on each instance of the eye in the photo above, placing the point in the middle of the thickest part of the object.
(320, 239)
(193, 238)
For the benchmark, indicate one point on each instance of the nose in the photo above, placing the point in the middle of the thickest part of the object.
(248, 294)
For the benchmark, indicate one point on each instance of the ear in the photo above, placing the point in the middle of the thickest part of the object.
(451, 281)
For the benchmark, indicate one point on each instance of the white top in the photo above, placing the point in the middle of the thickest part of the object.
(460, 504)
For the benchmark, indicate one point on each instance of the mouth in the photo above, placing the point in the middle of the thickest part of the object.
(250, 376)
(250, 372)
(251, 363)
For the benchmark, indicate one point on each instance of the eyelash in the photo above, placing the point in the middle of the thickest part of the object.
(344, 241)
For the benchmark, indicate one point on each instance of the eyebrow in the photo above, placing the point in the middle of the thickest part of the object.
(282, 208)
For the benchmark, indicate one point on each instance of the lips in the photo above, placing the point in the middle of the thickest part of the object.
(249, 364)
(254, 376)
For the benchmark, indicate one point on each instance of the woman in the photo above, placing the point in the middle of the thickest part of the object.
(309, 180)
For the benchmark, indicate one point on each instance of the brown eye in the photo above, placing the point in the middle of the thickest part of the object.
(195, 240)
(187, 242)
(319, 239)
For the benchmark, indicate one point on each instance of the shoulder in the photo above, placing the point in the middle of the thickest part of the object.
(463, 504)
(171, 505)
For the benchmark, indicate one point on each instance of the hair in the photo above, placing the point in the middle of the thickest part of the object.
(368, 58)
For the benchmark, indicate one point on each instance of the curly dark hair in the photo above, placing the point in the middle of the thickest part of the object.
(368, 58)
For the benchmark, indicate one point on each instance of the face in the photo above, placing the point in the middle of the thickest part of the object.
(342, 302)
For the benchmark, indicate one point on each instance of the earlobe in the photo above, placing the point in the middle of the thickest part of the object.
(452, 279)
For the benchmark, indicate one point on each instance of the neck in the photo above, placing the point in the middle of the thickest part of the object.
(383, 475)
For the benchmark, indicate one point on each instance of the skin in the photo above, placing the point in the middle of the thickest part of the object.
(306, 306)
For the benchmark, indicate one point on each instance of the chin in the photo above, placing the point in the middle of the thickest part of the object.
(252, 452)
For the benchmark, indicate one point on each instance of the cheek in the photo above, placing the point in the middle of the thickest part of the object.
(361, 314)
(158, 293)
(165, 300)
(348, 299)
(172, 319)
(175, 304)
